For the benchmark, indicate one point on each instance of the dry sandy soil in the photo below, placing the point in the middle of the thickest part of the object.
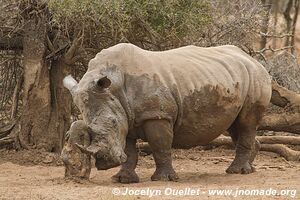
(36, 175)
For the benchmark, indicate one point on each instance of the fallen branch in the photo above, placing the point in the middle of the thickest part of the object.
(283, 97)
(268, 143)
(288, 121)
(292, 140)
(282, 150)
(281, 122)
(273, 144)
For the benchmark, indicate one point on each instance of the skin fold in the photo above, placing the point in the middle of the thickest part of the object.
(178, 98)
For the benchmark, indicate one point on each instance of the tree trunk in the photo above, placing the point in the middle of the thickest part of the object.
(46, 114)
(61, 103)
(46, 105)
(36, 94)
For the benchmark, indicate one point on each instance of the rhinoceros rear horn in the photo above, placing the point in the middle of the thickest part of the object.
(69, 82)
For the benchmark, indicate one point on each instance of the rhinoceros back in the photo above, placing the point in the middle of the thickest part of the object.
(199, 90)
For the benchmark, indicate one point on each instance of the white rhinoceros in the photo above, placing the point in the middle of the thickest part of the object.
(178, 98)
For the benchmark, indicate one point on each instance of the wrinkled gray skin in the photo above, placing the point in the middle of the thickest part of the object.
(178, 98)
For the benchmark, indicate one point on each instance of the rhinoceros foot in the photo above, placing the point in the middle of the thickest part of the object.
(237, 168)
(164, 174)
(126, 176)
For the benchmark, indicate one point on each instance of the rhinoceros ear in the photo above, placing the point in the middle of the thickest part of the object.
(104, 82)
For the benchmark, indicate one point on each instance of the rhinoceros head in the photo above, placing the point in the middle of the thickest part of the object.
(96, 96)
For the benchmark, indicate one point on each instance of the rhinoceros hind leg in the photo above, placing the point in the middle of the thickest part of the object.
(159, 134)
(243, 132)
(127, 172)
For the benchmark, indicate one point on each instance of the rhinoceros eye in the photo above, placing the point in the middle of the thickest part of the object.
(104, 82)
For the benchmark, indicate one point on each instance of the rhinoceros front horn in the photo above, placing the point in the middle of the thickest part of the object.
(70, 83)
(90, 150)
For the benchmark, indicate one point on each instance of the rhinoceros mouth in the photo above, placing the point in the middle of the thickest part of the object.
(104, 164)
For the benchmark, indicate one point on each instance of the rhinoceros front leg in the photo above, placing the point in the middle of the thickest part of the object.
(127, 172)
(159, 135)
(243, 132)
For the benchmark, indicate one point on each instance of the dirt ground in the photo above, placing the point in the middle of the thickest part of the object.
(36, 175)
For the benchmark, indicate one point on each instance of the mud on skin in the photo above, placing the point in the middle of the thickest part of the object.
(178, 98)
